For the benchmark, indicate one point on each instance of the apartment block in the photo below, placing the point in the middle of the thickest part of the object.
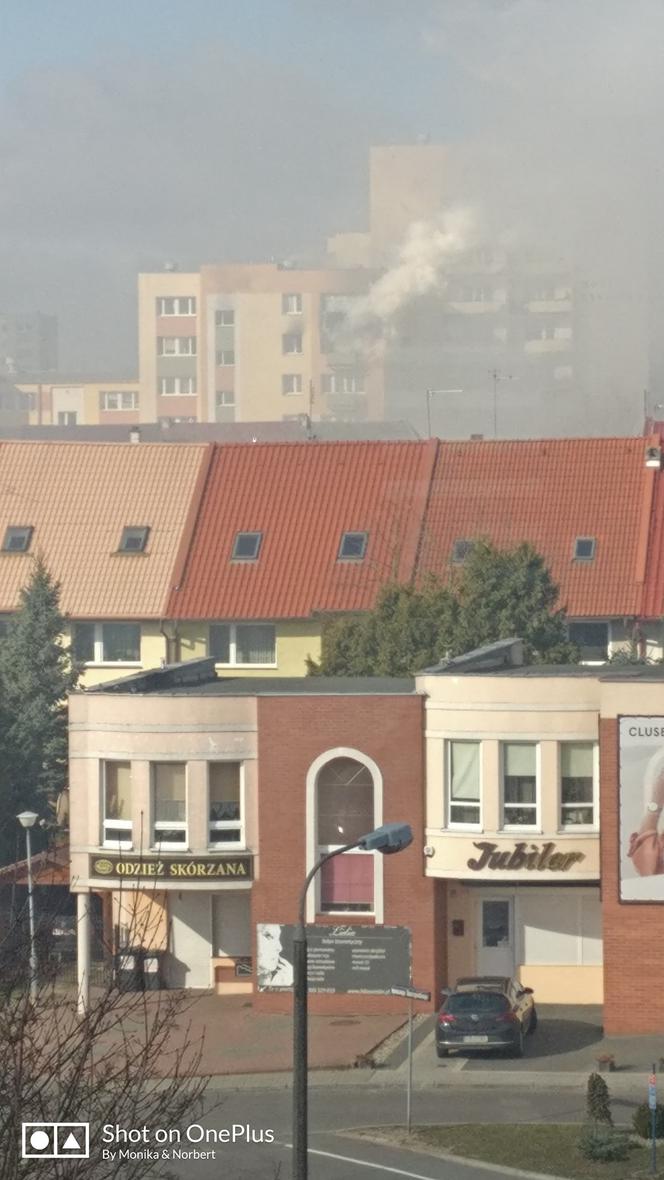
(28, 342)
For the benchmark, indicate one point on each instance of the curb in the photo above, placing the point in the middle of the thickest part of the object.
(625, 1085)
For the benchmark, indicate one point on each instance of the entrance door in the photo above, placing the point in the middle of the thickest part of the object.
(495, 954)
(188, 963)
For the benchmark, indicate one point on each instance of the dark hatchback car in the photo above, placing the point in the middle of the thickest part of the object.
(487, 1012)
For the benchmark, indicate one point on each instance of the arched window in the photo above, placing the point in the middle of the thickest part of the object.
(345, 811)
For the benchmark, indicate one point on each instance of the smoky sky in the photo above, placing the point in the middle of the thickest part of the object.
(126, 159)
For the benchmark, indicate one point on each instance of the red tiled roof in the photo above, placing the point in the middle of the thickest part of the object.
(652, 606)
(78, 497)
(302, 497)
(550, 492)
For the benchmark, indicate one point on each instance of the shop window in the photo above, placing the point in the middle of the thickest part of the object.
(577, 784)
(345, 812)
(225, 803)
(107, 643)
(116, 788)
(243, 643)
(519, 784)
(592, 640)
(169, 804)
(463, 779)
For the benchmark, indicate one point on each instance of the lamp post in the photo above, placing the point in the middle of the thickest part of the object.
(27, 820)
(432, 393)
(386, 839)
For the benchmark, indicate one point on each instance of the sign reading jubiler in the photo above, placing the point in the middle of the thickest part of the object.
(191, 868)
(533, 858)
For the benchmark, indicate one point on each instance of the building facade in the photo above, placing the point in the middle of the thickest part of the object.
(76, 402)
(28, 342)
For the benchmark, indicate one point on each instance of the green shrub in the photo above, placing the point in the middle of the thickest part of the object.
(642, 1121)
(604, 1145)
(598, 1109)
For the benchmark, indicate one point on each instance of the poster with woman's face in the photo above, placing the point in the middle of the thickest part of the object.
(641, 793)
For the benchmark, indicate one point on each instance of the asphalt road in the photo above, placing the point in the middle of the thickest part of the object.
(334, 1156)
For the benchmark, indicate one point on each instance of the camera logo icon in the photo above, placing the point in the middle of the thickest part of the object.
(55, 1141)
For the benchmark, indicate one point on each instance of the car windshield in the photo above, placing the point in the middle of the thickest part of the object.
(476, 1002)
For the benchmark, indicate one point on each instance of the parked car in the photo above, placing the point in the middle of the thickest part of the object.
(486, 1012)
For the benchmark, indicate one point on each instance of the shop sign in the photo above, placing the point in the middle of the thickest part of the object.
(191, 868)
(532, 858)
(349, 959)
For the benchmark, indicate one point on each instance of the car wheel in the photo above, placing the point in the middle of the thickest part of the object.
(533, 1021)
(517, 1051)
(441, 1052)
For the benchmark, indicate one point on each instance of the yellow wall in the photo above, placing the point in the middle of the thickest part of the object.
(87, 397)
(145, 914)
(295, 641)
(152, 649)
(564, 985)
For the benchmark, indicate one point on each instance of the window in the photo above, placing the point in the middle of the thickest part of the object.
(584, 548)
(243, 643)
(246, 546)
(169, 804)
(592, 640)
(176, 346)
(291, 383)
(461, 549)
(169, 386)
(107, 643)
(577, 784)
(291, 342)
(225, 356)
(519, 784)
(67, 417)
(176, 305)
(342, 382)
(134, 539)
(353, 546)
(291, 304)
(224, 318)
(224, 397)
(116, 822)
(463, 780)
(345, 799)
(17, 539)
(225, 796)
(119, 400)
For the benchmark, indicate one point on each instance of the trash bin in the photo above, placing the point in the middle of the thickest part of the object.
(129, 970)
(153, 972)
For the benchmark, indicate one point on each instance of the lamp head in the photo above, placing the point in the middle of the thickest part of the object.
(387, 839)
(27, 819)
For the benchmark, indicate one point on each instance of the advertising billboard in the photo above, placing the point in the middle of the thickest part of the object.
(360, 959)
(641, 794)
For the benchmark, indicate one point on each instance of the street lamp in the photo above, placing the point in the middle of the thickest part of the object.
(386, 839)
(27, 820)
(431, 393)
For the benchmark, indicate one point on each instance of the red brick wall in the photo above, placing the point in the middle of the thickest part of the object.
(292, 733)
(633, 933)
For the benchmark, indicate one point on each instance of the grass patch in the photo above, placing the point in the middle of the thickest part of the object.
(535, 1147)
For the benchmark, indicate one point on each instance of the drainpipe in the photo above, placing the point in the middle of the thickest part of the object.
(171, 641)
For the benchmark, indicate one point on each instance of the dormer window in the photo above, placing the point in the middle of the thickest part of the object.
(246, 546)
(353, 547)
(584, 548)
(134, 539)
(17, 539)
(461, 549)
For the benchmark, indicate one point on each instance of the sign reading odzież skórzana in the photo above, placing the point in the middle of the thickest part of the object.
(341, 958)
(193, 868)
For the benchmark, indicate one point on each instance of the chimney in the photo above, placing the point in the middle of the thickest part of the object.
(135, 434)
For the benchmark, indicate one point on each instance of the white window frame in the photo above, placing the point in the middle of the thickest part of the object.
(98, 641)
(220, 395)
(125, 825)
(178, 390)
(219, 314)
(166, 825)
(351, 384)
(294, 338)
(447, 754)
(225, 825)
(609, 640)
(232, 642)
(119, 396)
(182, 305)
(323, 849)
(537, 826)
(291, 303)
(291, 379)
(182, 346)
(221, 356)
(594, 826)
